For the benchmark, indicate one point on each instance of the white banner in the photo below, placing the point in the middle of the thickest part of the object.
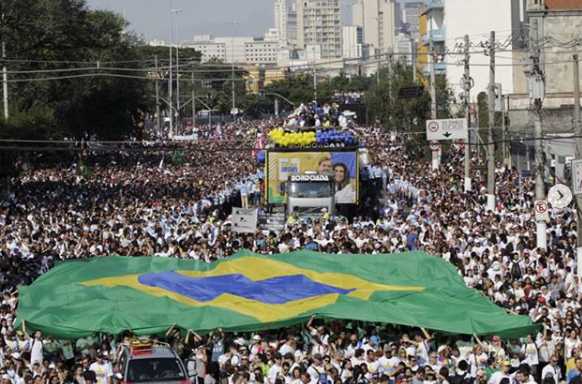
(244, 220)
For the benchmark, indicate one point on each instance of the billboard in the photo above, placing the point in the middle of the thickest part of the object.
(342, 165)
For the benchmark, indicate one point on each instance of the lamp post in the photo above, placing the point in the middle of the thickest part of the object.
(173, 33)
(233, 89)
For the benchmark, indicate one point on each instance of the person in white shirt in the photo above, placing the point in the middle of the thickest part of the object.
(103, 370)
(552, 370)
(275, 369)
(36, 349)
(530, 350)
(546, 347)
(388, 362)
(316, 369)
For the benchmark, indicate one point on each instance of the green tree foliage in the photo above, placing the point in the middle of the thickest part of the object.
(65, 35)
(397, 113)
(299, 88)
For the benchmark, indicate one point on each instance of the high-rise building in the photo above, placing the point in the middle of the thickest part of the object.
(377, 19)
(286, 21)
(407, 16)
(433, 32)
(352, 40)
(319, 23)
(240, 50)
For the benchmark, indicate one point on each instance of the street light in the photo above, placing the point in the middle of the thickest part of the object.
(176, 11)
(234, 23)
(170, 77)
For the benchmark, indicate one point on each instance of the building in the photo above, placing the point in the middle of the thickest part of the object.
(494, 15)
(433, 33)
(377, 20)
(319, 23)
(407, 17)
(352, 42)
(210, 49)
(445, 22)
(286, 22)
(260, 51)
(557, 21)
(404, 48)
(554, 22)
(259, 77)
(239, 50)
(272, 35)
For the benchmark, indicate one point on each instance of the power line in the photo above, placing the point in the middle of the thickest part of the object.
(132, 146)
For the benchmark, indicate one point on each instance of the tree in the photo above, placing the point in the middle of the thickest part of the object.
(483, 110)
(396, 113)
(64, 35)
(298, 88)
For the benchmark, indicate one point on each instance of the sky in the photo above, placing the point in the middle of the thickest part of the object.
(151, 18)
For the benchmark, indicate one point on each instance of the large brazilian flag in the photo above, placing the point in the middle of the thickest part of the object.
(248, 292)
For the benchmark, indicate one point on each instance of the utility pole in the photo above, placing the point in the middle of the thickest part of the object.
(491, 145)
(436, 147)
(178, 89)
(314, 83)
(503, 127)
(157, 84)
(433, 103)
(390, 63)
(5, 81)
(578, 130)
(467, 85)
(388, 78)
(413, 51)
(378, 75)
(233, 89)
(170, 80)
(193, 99)
(537, 93)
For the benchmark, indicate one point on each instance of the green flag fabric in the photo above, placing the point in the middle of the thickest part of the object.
(250, 292)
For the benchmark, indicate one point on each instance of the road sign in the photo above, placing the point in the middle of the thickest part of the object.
(577, 177)
(447, 129)
(541, 210)
(560, 196)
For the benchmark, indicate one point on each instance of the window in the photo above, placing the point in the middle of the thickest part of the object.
(162, 369)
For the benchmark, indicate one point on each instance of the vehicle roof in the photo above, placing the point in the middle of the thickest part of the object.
(157, 351)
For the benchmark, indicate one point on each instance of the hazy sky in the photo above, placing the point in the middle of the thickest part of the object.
(217, 17)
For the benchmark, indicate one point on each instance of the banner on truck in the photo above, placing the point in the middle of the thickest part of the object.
(343, 166)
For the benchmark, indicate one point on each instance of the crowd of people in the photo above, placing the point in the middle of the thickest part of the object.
(150, 202)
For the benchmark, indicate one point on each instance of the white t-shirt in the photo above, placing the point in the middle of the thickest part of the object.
(554, 372)
(103, 372)
(387, 364)
(531, 354)
(273, 373)
(36, 352)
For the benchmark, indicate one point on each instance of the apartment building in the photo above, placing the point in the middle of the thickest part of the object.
(319, 23)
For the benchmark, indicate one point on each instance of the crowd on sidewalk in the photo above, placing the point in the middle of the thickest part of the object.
(136, 204)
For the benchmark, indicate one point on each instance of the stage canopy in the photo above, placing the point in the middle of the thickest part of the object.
(249, 292)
